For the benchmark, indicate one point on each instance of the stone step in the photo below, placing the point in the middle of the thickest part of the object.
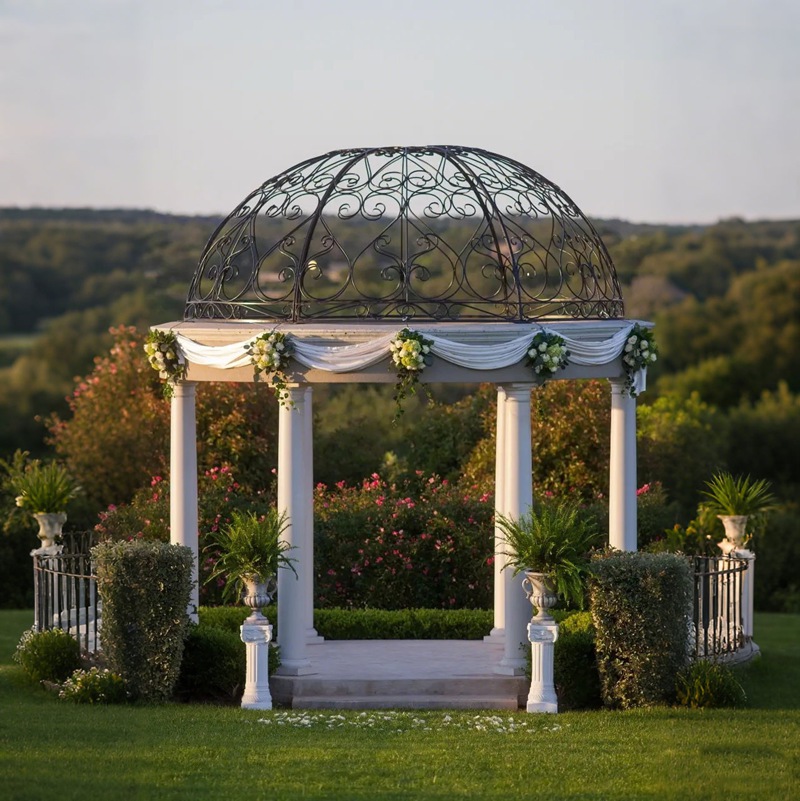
(404, 702)
(472, 686)
(407, 674)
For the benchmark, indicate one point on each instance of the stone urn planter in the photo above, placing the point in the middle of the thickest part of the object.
(734, 499)
(50, 526)
(541, 592)
(257, 593)
(735, 532)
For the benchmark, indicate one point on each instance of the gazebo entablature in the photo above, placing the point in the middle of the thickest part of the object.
(215, 335)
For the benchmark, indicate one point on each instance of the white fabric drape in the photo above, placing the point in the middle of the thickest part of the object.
(350, 358)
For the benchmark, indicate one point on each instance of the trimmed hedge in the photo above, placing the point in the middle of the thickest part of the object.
(575, 664)
(229, 618)
(371, 624)
(641, 605)
(403, 624)
(145, 589)
(213, 667)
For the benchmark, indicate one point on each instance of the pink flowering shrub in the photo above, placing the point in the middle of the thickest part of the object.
(655, 514)
(117, 433)
(423, 543)
(146, 517)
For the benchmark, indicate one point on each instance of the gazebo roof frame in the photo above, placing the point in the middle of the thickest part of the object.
(442, 234)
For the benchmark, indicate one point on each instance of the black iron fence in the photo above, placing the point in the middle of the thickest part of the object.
(717, 627)
(65, 597)
(65, 591)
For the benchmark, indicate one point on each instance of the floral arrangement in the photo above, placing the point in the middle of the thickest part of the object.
(165, 358)
(270, 353)
(411, 354)
(547, 354)
(640, 350)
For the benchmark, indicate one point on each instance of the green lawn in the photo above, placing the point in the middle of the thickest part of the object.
(54, 750)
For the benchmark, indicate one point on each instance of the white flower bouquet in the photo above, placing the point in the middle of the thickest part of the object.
(411, 354)
(270, 353)
(165, 358)
(640, 350)
(547, 354)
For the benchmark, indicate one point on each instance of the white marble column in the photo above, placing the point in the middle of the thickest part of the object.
(518, 498)
(183, 479)
(294, 481)
(308, 524)
(498, 630)
(622, 469)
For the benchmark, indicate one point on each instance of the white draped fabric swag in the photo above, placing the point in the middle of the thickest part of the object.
(350, 358)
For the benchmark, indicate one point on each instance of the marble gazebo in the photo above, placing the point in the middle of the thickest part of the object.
(474, 251)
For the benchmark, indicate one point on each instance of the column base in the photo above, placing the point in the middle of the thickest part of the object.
(496, 635)
(313, 637)
(300, 668)
(515, 667)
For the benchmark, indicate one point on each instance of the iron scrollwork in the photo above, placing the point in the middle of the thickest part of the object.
(408, 233)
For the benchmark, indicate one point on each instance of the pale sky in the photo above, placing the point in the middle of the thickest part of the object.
(653, 111)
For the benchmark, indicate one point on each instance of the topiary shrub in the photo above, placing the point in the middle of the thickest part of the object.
(94, 686)
(641, 604)
(145, 588)
(50, 655)
(708, 685)
(575, 664)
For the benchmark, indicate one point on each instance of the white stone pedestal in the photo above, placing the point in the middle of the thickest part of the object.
(256, 633)
(542, 696)
(748, 583)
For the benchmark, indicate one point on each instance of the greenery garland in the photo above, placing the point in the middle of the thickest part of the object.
(547, 354)
(271, 353)
(640, 350)
(165, 358)
(411, 354)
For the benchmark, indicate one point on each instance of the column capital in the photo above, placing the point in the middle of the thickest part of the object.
(517, 391)
(618, 386)
(184, 389)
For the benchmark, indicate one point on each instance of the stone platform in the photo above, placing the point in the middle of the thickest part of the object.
(409, 674)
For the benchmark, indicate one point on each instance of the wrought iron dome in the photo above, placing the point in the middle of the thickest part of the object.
(436, 233)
